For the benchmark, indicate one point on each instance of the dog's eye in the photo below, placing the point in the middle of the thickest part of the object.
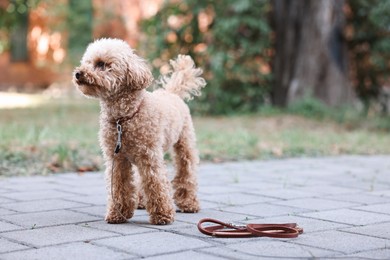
(100, 65)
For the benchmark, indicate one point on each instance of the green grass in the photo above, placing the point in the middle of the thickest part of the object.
(283, 135)
(55, 137)
(61, 136)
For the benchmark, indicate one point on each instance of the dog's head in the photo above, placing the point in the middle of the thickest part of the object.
(110, 66)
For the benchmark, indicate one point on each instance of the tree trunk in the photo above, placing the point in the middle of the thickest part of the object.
(310, 52)
(18, 36)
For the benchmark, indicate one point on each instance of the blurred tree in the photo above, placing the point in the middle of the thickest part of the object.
(14, 22)
(310, 52)
(80, 18)
(18, 34)
(368, 34)
(229, 39)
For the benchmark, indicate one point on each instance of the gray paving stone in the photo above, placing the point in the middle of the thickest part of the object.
(367, 186)
(309, 225)
(349, 216)
(328, 189)
(258, 185)
(153, 243)
(315, 204)
(22, 186)
(90, 190)
(228, 253)
(274, 249)
(128, 228)
(234, 199)
(97, 211)
(4, 212)
(42, 205)
(5, 200)
(186, 229)
(379, 254)
(92, 176)
(218, 189)
(82, 181)
(381, 230)
(143, 221)
(8, 246)
(342, 241)
(380, 208)
(186, 255)
(365, 198)
(99, 199)
(296, 182)
(349, 194)
(209, 205)
(383, 177)
(222, 178)
(283, 193)
(48, 218)
(74, 251)
(100, 211)
(2, 190)
(10, 183)
(211, 213)
(57, 235)
(264, 210)
(37, 195)
(4, 226)
(382, 193)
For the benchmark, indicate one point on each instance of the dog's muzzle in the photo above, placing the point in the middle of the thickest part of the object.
(80, 79)
(78, 75)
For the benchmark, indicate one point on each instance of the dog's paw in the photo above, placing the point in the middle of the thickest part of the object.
(115, 219)
(141, 203)
(141, 206)
(189, 206)
(189, 209)
(162, 218)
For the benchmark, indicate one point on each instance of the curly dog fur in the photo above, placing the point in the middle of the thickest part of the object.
(155, 122)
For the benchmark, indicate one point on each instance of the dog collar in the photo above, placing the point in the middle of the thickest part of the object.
(121, 120)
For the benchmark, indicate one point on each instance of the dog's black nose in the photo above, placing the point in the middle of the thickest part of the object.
(78, 74)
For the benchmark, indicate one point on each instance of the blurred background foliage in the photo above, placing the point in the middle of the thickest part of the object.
(229, 39)
(232, 40)
(368, 38)
(238, 45)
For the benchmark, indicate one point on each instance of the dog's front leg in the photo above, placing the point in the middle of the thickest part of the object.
(122, 193)
(157, 189)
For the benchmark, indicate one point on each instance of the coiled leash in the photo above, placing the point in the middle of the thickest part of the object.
(228, 230)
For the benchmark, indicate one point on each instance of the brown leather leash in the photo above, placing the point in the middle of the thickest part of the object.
(228, 230)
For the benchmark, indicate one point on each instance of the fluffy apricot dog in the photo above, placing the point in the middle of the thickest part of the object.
(137, 127)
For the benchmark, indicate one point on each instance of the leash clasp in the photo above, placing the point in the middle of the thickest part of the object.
(119, 140)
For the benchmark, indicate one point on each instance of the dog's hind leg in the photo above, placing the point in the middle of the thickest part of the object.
(185, 182)
(122, 193)
(141, 194)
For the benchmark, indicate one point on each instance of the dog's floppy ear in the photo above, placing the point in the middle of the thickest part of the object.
(139, 75)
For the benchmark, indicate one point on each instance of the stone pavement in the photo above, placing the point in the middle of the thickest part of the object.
(343, 204)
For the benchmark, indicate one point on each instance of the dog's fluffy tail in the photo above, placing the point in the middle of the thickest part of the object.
(184, 80)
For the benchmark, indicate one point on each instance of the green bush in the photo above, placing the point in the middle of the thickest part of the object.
(229, 39)
(368, 42)
(310, 107)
